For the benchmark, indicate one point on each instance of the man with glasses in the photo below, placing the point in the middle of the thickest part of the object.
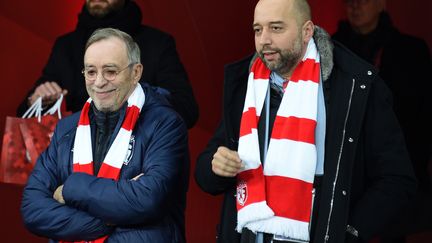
(404, 63)
(162, 64)
(118, 170)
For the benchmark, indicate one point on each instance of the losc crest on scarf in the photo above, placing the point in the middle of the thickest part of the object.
(277, 199)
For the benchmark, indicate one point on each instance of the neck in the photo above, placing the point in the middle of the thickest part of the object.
(285, 76)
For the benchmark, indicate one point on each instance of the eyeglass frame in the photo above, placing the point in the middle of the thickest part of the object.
(115, 76)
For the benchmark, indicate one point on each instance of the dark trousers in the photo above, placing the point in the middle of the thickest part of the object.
(248, 236)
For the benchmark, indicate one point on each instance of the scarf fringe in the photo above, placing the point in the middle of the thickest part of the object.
(293, 229)
(253, 212)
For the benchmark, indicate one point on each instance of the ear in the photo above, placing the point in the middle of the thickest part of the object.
(307, 31)
(137, 72)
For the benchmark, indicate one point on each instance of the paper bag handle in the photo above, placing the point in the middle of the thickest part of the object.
(35, 110)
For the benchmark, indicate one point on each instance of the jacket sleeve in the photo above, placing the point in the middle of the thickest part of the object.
(172, 76)
(390, 181)
(49, 73)
(43, 215)
(206, 179)
(126, 201)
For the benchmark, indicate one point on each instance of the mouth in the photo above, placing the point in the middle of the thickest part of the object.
(104, 94)
(97, 2)
(269, 55)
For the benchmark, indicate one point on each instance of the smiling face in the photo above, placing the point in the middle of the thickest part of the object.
(110, 55)
(279, 35)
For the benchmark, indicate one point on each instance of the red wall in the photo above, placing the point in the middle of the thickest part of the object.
(209, 34)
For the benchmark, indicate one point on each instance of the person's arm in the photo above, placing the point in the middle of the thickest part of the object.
(389, 175)
(172, 76)
(43, 215)
(144, 198)
(205, 177)
(48, 85)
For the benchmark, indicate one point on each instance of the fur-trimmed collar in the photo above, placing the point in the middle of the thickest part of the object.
(325, 48)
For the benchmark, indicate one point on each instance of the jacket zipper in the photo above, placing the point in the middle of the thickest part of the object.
(326, 238)
(312, 209)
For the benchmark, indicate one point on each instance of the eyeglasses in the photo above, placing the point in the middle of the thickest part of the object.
(109, 73)
(352, 2)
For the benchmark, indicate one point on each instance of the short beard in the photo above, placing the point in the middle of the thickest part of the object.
(99, 12)
(288, 59)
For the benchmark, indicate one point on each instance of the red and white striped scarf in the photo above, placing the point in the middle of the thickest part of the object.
(117, 153)
(278, 198)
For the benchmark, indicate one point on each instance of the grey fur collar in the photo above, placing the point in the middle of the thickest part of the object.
(325, 48)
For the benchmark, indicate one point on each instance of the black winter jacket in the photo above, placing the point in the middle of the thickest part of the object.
(404, 63)
(162, 65)
(367, 172)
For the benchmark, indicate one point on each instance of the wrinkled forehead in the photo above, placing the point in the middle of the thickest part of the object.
(112, 50)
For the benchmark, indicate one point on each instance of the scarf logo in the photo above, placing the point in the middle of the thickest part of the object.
(130, 151)
(242, 193)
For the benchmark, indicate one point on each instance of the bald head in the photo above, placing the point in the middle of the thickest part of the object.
(302, 10)
(282, 32)
(299, 9)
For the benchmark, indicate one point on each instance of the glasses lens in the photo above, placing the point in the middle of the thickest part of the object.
(90, 74)
(109, 74)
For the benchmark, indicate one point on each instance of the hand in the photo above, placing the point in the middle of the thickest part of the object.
(49, 91)
(226, 162)
(58, 195)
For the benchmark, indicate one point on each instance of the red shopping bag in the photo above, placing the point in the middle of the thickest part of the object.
(15, 165)
(24, 140)
(37, 135)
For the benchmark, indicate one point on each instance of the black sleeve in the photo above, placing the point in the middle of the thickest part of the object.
(172, 76)
(206, 179)
(49, 73)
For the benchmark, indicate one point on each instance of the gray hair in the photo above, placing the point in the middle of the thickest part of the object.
(132, 47)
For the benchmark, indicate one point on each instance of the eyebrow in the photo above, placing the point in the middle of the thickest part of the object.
(104, 66)
(270, 23)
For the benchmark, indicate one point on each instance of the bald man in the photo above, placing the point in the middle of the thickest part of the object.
(308, 148)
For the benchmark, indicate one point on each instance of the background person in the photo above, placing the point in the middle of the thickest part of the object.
(404, 63)
(162, 65)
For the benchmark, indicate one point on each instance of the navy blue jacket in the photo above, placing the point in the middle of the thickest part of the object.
(150, 209)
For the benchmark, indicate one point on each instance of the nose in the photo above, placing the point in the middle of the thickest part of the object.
(100, 80)
(265, 37)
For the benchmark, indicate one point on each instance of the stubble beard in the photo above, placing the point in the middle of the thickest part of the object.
(287, 61)
(100, 12)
